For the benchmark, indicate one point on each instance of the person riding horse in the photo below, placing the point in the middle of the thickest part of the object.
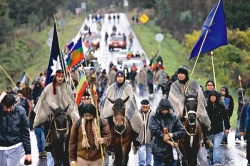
(177, 98)
(121, 89)
(57, 94)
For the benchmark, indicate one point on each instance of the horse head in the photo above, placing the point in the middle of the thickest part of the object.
(119, 110)
(191, 104)
(60, 123)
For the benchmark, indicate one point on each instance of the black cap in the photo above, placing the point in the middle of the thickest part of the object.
(183, 70)
(144, 102)
(86, 93)
(88, 108)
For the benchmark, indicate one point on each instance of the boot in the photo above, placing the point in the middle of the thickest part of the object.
(40, 155)
(44, 154)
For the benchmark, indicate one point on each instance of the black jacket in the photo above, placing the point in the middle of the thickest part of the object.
(156, 125)
(217, 114)
(14, 128)
(228, 102)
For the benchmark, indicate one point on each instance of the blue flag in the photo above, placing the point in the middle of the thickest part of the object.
(213, 32)
(55, 58)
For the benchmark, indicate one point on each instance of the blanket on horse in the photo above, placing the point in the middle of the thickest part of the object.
(114, 92)
(62, 98)
(177, 99)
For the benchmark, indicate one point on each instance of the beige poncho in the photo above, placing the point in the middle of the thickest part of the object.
(62, 98)
(177, 99)
(132, 113)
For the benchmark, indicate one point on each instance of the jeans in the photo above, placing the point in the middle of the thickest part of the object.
(159, 161)
(144, 155)
(214, 153)
(40, 138)
(11, 157)
(141, 89)
(238, 129)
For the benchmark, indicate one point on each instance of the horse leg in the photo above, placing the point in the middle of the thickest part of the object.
(118, 156)
(126, 154)
(55, 157)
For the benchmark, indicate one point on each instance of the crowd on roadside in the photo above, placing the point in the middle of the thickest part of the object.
(219, 106)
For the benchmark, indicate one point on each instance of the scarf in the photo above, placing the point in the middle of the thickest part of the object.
(85, 142)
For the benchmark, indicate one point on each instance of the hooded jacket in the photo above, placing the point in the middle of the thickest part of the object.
(14, 128)
(156, 125)
(228, 102)
(217, 114)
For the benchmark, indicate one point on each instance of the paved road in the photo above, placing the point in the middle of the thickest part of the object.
(231, 155)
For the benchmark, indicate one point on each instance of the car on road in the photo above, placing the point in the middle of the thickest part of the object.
(94, 40)
(117, 41)
(137, 61)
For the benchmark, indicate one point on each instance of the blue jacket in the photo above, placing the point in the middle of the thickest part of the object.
(156, 125)
(14, 128)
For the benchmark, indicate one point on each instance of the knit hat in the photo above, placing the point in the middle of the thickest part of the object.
(88, 108)
(120, 73)
(104, 71)
(144, 102)
(183, 70)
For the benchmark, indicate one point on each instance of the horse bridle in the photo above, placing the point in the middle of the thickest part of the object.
(124, 120)
(60, 129)
(186, 117)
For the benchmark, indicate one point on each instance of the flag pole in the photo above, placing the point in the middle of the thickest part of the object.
(241, 90)
(203, 44)
(8, 76)
(97, 117)
(212, 58)
(27, 74)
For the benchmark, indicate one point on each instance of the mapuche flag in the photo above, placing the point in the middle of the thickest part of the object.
(82, 86)
(76, 56)
(213, 32)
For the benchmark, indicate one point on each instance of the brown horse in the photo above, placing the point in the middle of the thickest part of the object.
(190, 144)
(59, 128)
(122, 133)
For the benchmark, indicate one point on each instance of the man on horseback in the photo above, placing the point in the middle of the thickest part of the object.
(121, 89)
(161, 144)
(85, 141)
(56, 94)
(183, 86)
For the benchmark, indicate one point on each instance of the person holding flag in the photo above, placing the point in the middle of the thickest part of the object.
(85, 142)
(56, 94)
(185, 86)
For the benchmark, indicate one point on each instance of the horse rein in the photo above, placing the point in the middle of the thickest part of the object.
(125, 122)
(60, 129)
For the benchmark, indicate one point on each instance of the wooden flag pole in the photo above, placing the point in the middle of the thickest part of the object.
(241, 90)
(8, 76)
(212, 58)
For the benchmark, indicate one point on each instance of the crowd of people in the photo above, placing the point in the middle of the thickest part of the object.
(25, 109)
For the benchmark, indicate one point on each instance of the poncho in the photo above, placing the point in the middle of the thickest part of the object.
(177, 99)
(62, 98)
(114, 92)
